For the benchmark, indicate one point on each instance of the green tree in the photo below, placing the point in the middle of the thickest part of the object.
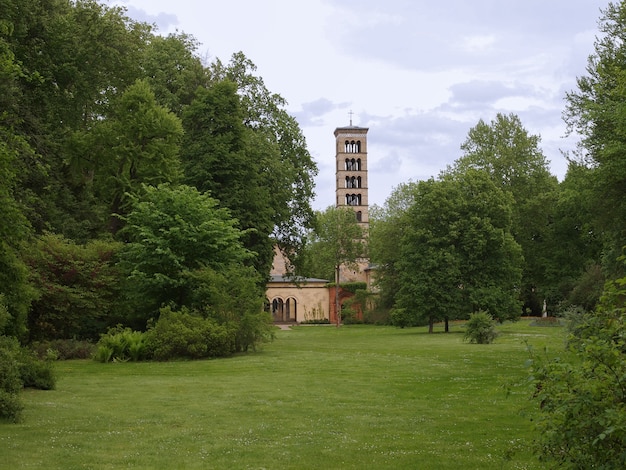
(582, 393)
(574, 243)
(386, 227)
(77, 288)
(136, 144)
(457, 253)
(223, 156)
(512, 158)
(75, 57)
(338, 241)
(173, 234)
(173, 70)
(597, 111)
(288, 169)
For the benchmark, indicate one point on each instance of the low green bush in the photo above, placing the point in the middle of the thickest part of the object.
(182, 334)
(36, 373)
(480, 328)
(19, 368)
(400, 318)
(64, 349)
(11, 407)
(121, 344)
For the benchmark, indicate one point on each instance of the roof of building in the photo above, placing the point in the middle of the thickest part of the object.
(297, 279)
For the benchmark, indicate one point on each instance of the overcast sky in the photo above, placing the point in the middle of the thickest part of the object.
(418, 73)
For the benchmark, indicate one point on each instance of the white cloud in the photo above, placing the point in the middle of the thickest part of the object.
(419, 74)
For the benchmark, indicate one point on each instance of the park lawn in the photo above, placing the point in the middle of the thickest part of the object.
(355, 397)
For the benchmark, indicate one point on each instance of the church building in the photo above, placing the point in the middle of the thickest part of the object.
(313, 299)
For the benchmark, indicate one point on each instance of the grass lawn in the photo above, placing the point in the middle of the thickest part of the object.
(319, 397)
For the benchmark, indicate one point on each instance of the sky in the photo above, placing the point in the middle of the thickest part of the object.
(418, 73)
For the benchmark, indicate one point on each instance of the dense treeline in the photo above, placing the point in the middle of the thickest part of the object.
(498, 235)
(495, 232)
(133, 175)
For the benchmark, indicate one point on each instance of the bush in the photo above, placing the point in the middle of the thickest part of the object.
(64, 349)
(121, 344)
(36, 373)
(480, 328)
(185, 335)
(11, 406)
(581, 395)
(400, 318)
(20, 368)
(254, 329)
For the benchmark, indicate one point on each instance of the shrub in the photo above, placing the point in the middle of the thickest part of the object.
(186, 335)
(121, 344)
(480, 328)
(11, 406)
(10, 380)
(36, 373)
(64, 349)
(254, 329)
(400, 318)
(20, 368)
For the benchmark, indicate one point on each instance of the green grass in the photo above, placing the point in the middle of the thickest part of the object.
(355, 397)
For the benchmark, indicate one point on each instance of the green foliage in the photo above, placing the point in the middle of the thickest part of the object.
(337, 241)
(77, 288)
(173, 70)
(480, 328)
(457, 253)
(513, 160)
(582, 394)
(121, 344)
(137, 144)
(232, 297)
(15, 291)
(64, 349)
(596, 111)
(174, 234)
(36, 373)
(11, 406)
(387, 224)
(401, 318)
(277, 149)
(19, 368)
(184, 334)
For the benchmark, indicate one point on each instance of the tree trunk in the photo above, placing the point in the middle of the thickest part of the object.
(447, 325)
(431, 324)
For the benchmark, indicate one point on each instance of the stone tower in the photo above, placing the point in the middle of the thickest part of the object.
(351, 170)
(351, 186)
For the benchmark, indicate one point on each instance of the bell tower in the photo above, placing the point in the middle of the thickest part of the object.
(351, 170)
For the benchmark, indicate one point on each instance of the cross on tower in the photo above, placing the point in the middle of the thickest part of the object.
(350, 113)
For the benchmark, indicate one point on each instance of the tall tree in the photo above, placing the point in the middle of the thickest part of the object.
(173, 70)
(174, 233)
(457, 253)
(75, 58)
(386, 227)
(512, 158)
(289, 167)
(224, 157)
(136, 144)
(597, 111)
